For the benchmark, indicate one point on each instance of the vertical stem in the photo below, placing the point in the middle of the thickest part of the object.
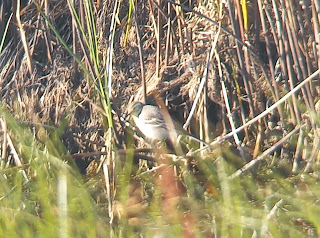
(4, 142)
(62, 203)
(282, 53)
(74, 43)
(268, 47)
(168, 35)
(316, 31)
(143, 80)
(47, 32)
(158, 55)
(24, 39)
(205, 113)
(241, 59)
(286, 35)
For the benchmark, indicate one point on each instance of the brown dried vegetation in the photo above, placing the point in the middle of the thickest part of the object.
(246, 57)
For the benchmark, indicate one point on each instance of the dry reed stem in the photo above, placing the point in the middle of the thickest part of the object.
(111, 45)
(24, 38)
(83, 45)
(314, 153)
(62, 203)
(108, 189)
(268, 45)
(241, 60)
(121, 152)
(4, 142)
(169, 36)
(283, 59)
(180, 26)
(158, 45)
(271, 63)
(173, 136)
(316, 30)
(298, 153)
(143, 80)
(264, 154)
(295, 50)
(305, 51)
(203, 80)
(258, 141)
(291, 74)
(229, 113)
(16, 157)
(271, 108)
(47, 34)
(74, 39)
(153, 20)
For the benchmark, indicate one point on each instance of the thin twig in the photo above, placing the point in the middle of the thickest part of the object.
(282, 53)
(265, 112)
(4, 142)
(297, 155)
(264, 154)
(158, 51)
(271, 108)
(46, 33)
(314, 153)
(243, 62)
(152, 170)
(274, 209)
(136, 153)
(143, 80)
(256, 56)
(295, 51)
(227, 104)
(24, 39)
(16, 157)
(74, 43)
(62, 203)
(108, 188)
(153, 20)
(110, 46)
(268, 47)
(168, 45)
(203, 80)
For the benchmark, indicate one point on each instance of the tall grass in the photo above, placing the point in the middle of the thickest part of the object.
(32, 196)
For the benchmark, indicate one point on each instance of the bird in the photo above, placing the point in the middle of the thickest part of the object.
(149, 120)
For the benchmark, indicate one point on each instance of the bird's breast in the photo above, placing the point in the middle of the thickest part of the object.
(151, 130)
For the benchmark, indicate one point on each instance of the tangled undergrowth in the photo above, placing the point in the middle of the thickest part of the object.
(242, 76)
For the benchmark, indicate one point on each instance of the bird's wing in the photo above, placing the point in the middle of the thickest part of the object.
(152, 115)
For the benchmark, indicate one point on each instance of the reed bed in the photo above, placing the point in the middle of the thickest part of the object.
(243, 76)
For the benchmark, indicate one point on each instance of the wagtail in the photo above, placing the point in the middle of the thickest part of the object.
(149, 120)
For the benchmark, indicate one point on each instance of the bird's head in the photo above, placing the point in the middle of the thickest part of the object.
(135, 108)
